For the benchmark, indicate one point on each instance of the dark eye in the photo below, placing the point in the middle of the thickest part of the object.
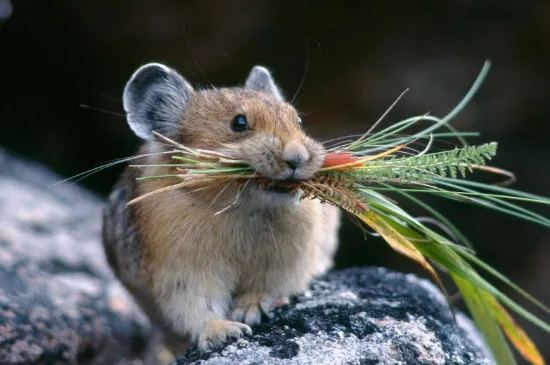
(239, 124)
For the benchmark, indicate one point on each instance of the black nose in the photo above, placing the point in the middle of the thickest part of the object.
(295, 161)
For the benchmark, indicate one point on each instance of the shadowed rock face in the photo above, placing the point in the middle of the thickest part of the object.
(358, 316)
(59, 303)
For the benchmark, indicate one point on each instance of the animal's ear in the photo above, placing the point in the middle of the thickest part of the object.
(155, 99)
(260, 79)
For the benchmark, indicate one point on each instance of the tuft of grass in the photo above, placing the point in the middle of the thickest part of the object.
(356, 174)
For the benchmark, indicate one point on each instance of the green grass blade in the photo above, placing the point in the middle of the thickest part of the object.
(498, 204)
(503, 190)
(438, 249)
(486, 323)
(457, 194)
(439, 122)
(474, 259)
(437, 215)
(219, 170)
(139, 178)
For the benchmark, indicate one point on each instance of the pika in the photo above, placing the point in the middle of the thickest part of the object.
(201, 271)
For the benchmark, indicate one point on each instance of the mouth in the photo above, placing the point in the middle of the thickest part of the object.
(288, 187)
(279, 189)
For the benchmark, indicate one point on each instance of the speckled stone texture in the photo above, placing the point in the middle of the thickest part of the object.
(59, 303)
(362, 316)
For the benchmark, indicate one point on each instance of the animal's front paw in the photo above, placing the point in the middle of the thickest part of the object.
(219, 330)
(248, 308)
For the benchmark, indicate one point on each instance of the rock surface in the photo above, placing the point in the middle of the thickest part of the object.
(358, 316)
(59, 303)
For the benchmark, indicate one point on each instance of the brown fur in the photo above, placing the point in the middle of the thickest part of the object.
(198, 263)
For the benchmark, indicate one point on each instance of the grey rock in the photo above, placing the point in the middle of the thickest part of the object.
(59, 302)
(357, 316)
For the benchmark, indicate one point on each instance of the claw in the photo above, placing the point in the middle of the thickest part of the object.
(219, 331)
(248, 308)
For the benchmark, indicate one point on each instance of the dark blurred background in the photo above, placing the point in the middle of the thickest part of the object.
(58, 55)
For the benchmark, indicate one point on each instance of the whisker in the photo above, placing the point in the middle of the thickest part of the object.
(90, 172)
(185, 193)
(379, 119)
(102, 110)
(182, 184)
(237, 195)
(237, 177)
(105, 95)
(224, 209)
(197, 65)
(223, 189)
(306, 68)
(339, 145)
(343, 137)
(232, 204)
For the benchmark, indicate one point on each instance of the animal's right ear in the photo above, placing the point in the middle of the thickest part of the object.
(260, 79)
(155, 99)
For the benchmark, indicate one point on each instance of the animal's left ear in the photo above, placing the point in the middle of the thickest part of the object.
(260, 79)
(155, 99)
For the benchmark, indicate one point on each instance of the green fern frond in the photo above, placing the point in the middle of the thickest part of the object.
(421, 168)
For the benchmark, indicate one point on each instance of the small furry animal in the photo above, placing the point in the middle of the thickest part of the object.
(205, 265)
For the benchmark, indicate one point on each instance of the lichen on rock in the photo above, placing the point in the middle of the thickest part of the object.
(357, 316)
(60, 304)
